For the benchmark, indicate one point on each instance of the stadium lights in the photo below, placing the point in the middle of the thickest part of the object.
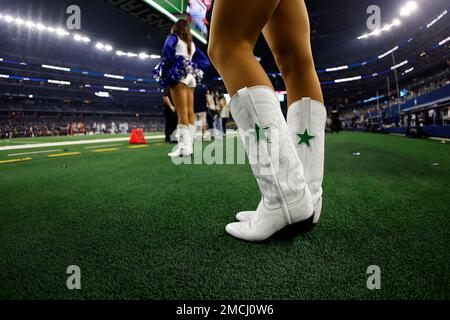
(105, 47)
(46, 66)
(65, 83)
(405, 11)
(19, 21)
(439, 17)
(80, 38)
(144, 55)
(61, 32)
(348, 79)
(30, 24)
(444, 41)
(102, 94)
(116, 88)
(41, 27)
(336, 68)
(68, 83)
(409, 8)
(113, 76)
(401, 64)
(388, 52)
(386, 28)
(397, 22)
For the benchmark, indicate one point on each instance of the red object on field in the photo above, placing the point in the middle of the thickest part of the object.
(137, 137)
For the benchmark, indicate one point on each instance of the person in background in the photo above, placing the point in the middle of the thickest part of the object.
(171, 116)
(224, 113)
(422, 119)
(200, 107)
(217, 116)
(212, 110)
(335, 120)
(180, 70)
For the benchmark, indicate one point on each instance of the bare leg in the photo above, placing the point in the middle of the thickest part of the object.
(190, 104)
(235, 29)
(179, 96)
(288, 35)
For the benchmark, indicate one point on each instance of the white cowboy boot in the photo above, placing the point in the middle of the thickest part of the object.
(192, 132)
(306, 120)
(286, 199)
(184, 146)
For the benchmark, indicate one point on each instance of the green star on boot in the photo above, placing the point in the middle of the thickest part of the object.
(261, 133)
(305, 138)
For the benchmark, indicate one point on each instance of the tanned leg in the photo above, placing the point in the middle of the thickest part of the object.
(288, 35)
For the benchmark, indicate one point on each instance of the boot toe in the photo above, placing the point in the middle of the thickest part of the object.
(240, 230)
(245, 216)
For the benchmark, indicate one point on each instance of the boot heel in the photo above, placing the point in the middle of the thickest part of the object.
(292, 231)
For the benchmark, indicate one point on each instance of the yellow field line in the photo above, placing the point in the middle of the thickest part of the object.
(138, 147)
(66, 154)
(15, 160)
(105, 150)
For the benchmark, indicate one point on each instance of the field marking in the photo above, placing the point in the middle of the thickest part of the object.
(72, 143)
(36, 152)
(138, 147)
(15, 160)
(104, 146)
(18, 142)
(66, 154)
(439, 139)
(106, 150)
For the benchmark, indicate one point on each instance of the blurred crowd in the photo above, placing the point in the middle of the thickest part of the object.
(359, 117)
(17, 125)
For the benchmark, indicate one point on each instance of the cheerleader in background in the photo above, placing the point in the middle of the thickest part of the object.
(180, 71)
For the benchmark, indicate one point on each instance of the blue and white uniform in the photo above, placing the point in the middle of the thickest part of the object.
(179, 65)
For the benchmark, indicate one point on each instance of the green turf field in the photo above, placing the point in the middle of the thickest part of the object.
(141, 227)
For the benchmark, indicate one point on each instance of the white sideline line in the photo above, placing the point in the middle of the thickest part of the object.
(73, 143)
(439, 139)
(18, 142)
(36, 152)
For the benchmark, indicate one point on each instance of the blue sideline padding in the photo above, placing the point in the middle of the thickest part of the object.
(428, 131)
